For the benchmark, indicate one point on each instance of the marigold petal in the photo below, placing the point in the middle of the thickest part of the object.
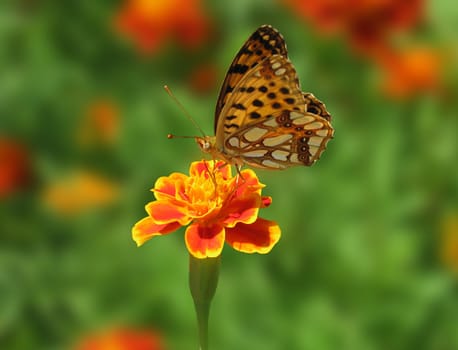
(250, 183)
(166, 187)
(197, 168)
(205, 241)
(266, 201)
(165, 212)
(146, 229)
(224, 169)
(258, 237)
(242, 210)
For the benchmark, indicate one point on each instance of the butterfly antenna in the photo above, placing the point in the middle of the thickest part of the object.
(186, 113)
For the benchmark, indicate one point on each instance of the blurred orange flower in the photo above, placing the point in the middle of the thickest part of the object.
(150, 23)
(204, 78)
(15, 167)
(411, 71)
(122, 339)
(449, 242)
(100, 124)
(79, 192)
(365, 22)
(219, 207)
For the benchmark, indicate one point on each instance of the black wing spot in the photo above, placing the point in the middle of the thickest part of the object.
(239, 68)
(262, 89)
(284, 90)
(258, 103)
(282, 118)
(250, 89)
(255, 115)
(230, 117)
(246, 50)
(290, 101)
(276, 105)
(239, 106)
(228, 126)
(271, 95)
(302, 157)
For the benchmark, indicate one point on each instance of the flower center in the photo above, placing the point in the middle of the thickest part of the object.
(208, 191)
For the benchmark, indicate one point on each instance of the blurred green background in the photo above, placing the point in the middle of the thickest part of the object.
(368, 257)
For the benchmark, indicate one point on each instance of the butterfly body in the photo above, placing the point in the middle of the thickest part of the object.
(262, 117)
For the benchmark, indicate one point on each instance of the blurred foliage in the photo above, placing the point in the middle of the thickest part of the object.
(367, 259)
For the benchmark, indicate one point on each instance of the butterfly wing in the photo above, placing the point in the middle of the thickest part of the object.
(315, 106)
(270, 86)
(286, 138)
(264, 42)
(269, 123)
(262, 117)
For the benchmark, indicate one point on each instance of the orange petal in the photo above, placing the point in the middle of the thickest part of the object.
(223, 168)
(121, 338)
(250, 183)
(258, 237)
(166, 186)
(165, 212)
(205, 242)
(197, 168)
(266, 201)
(146, 229)
(242, 210)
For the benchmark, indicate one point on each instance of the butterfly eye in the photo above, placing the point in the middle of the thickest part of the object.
(204, 144)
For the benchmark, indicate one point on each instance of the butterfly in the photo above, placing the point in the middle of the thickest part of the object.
(262, 118)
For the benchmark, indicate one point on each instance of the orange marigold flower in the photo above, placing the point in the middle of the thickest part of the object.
(365, 22)
(204, 78)
(15, 167)
(100, 124)
(79, 192)
(122, 339)
(219, 208)
(150, 23)
(411, 71)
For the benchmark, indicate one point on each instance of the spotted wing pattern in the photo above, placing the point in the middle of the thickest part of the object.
(315, 106)
(287, 138)
(268, 122)
(264, 42)
(262, 117)
(270, 86)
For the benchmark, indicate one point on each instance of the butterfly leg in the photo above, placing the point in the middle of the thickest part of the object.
(211, 173)
(238, 167)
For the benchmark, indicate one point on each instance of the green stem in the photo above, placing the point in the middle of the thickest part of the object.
(203, 280)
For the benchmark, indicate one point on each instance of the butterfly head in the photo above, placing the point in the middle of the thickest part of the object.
(206, 143)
